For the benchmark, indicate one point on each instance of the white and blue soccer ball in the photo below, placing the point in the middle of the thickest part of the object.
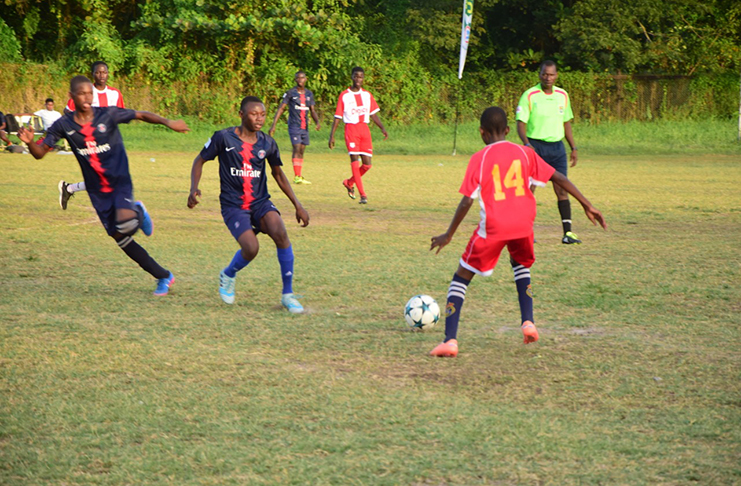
(422, 312)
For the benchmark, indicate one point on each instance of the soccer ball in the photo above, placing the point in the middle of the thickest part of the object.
(421, 312)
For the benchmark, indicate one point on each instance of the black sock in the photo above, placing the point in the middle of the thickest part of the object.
(564, 207)
(524, 291)
(456, 296)
(140, 256)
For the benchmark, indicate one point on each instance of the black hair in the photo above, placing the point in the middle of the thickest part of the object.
(547, 63)
(357, 69)
(494, 120)
(300, 72)
(96, 64)
(249, 99)
(49, 100)
(76, 82)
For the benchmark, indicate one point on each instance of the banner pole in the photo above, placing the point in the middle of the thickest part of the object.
(457, 115)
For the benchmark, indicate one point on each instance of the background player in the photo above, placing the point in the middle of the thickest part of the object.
(543, 119)
(500, 176)
(245, 202)
(299, 100)
(103, 95)
(356, 107)
(96, 141)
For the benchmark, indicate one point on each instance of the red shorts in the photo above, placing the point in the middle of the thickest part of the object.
(482, 254)
(358, 139)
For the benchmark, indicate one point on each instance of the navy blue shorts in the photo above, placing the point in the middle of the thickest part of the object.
(554, 153)
(106, 204)
(299, 136)
(239, 220)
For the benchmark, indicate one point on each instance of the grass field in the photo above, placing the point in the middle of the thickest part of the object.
(635, 379)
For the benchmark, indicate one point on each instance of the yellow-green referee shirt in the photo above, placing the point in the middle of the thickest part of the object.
(544, 114)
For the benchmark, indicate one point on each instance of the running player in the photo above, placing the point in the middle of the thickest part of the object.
(299, 100)
(356, 107)
(500, 175)
(103, 95)
(245, 202)
(543, 120)
(96, 141)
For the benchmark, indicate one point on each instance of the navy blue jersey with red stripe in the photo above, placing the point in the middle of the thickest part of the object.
(298, 107)
(242, 166)
(98, 146)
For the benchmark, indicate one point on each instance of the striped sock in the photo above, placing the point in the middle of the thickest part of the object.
(524, 291)
(456, 296)
(297, 166)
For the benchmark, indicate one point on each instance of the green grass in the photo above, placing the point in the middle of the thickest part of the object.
(635, 379)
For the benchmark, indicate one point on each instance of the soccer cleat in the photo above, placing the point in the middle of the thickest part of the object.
(147, 226)
(64, 194)
(529, 332)
(446, 350)
(303, 180)
(226, 288)
(570, 239)
(164, 284)
(350, 189)
(363, 200)
(291, 303)
(297, 180)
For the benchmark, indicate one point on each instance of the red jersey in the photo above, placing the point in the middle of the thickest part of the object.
(356, 106)
(103, 98)
(500, 175)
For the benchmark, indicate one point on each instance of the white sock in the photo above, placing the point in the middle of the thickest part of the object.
(72, 188)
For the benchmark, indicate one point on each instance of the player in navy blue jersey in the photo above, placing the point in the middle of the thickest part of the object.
(300, 102)
(96, 141)
(244, 154)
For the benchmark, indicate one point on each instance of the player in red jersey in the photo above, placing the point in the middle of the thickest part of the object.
(103, 95)
(356, 107)
(500, 175)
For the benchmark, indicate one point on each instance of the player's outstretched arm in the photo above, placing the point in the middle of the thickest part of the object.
(442, 240)
(195, 178)
(280, 177)
(278, 113)
(378, 123)
(176, 125)
(594, 215)
(331, 132)
(26, 136)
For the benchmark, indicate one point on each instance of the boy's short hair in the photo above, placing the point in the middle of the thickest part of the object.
(547, 63)
(494, 120)
(357, 69)
(96, 64)
(247, 100)
(300, 72)
(49, 100)
(76, 82)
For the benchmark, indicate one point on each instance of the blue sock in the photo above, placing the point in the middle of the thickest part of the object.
(237, 264)
(456, 296)
(285, 258)
(524, 291)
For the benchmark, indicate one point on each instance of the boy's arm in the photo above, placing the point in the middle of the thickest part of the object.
(177, 125)
(280, 177)
(26, 136)
(331, 132)
(195, 178)
(460, 213)
(592, 213)
(278, 113)
(377, 121)
(315, 116)
(522, 132)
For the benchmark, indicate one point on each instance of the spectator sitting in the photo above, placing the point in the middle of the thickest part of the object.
(48, 115)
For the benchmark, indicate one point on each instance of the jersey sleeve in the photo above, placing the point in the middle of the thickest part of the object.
(212, 146)
(309, 98)
(568, 115)
(121, 115)
(54, 134)
(273, 155)
(472, 180)
(523, 109)
(285, 98)
(373, 106)
(71, 105)
(340, 111)
(120, 102)
(540, 171)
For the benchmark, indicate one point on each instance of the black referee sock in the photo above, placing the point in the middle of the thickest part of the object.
(564, 207)
(140, 256)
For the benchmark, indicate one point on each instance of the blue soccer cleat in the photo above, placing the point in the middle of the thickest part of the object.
(164, 284)
(226, 288)
(147, 224)
(290, 302)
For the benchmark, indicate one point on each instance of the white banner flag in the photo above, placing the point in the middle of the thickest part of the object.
(465, 34)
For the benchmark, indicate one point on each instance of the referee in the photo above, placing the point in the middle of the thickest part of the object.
(543, 119)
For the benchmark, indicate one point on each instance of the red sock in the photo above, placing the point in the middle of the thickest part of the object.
(297, 164)
(355, 165)
(364, 168)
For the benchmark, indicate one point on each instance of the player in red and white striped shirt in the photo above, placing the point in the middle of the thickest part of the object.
(357, 107)
(103, 96)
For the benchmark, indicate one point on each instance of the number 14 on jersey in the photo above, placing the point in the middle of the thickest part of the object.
(512, 180)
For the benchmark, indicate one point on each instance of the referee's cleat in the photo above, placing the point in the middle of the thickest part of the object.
(147, 226)
(447, 349)
(529, 332)
(64, 194)
(570, 239)
(363, 200)
(226, 288)
(164, 284)
(290, 302)
(350, 189)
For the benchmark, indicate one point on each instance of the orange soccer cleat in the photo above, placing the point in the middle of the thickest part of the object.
(530, 332)
(446, 350)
